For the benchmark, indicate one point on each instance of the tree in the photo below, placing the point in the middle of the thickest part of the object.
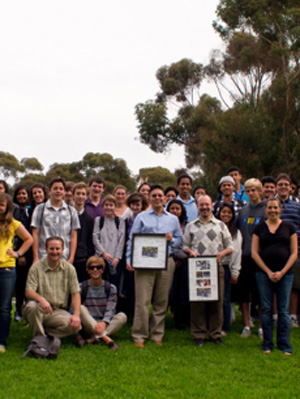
(158, 175)
(31, 164)
(276, 23)
(114, 171)
(247, 64)
(262, 120)
(9, 165)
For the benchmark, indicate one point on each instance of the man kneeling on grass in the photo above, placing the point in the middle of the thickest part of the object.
(50, 283)
(98, 310)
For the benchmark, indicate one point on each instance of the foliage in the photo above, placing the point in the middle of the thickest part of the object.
(179, 80)
(158, 175)
(261, 124)
(9, 165)
(31, 164)
(113, 170)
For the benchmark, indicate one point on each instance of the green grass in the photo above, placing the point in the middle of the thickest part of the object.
(237, 369)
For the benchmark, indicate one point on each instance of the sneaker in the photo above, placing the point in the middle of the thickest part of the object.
(233, 317)
(260, 333)
(246, 332)
(223, 333)
(251, 322)
(218, 341)
(17, 318)
(294, 322)
(113, 346)
(2, 349)
(199, 342)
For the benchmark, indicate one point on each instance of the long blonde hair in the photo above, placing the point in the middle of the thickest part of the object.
(7, 217)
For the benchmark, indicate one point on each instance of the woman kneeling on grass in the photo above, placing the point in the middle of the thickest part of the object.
(274, 249)
(9, 228)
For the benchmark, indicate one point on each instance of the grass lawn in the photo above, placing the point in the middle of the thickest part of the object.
(237, 369)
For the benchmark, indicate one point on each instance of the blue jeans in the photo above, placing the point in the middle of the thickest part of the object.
(226, 303)
(7, 284)
(282, 289)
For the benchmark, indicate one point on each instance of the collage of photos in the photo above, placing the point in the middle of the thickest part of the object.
(203, 279)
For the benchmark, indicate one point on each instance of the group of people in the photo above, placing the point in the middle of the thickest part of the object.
(68, 257)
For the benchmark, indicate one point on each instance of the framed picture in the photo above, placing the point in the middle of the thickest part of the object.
(203, 279)
(149, 251)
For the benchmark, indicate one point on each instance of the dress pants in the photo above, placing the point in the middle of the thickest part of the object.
(55, 324)
(151, 285)
(207, 317)
(89, 323)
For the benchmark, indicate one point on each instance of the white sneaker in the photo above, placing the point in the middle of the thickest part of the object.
(294, 322)
(233, 317)
(246, 332)
(251, 322)
(260, 333)
(2, 349)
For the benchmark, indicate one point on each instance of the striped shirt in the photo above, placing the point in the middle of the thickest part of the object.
(100, 306)
(291, 213)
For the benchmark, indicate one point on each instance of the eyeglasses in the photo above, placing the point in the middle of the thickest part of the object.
(96, 267)
(283, 184)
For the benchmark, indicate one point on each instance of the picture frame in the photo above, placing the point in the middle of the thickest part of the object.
(149, 251)
(203, 279)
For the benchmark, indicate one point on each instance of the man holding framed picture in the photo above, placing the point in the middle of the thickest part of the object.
(152, 283)
(207, 236)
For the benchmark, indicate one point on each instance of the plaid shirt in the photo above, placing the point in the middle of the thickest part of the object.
(237, 206)
(55, 222)
(54, 286)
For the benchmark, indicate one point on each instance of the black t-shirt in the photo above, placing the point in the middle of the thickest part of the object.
(275, 249)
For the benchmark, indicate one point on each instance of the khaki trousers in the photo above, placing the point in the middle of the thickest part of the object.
(55, 324)
(207, 317)
(152, 285)
(89, 323)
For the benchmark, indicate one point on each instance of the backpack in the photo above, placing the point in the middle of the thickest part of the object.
(42, 217)
(43, 347)
(85, 287)
(101, 222)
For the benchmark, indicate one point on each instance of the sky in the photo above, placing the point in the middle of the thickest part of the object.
(71, 73)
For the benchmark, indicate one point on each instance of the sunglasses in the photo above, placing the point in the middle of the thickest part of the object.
(96, 267)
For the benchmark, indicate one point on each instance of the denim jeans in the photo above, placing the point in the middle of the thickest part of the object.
(282, 289)
(7, 284)
(227, 304)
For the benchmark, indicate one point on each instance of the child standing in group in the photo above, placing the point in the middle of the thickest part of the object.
(109, 239)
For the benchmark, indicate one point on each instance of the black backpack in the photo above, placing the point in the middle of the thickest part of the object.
(43, 347)
(101, 222)
(85, 287)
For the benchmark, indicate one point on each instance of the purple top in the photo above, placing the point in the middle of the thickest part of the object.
(93, 210)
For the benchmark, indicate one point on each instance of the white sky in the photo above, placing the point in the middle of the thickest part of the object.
(71, 73)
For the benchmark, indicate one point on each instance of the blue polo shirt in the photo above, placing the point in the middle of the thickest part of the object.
(150, 222)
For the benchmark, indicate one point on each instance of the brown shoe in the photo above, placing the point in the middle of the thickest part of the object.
(113, 346)
(139, 344)
(80, 342)
(158, 343)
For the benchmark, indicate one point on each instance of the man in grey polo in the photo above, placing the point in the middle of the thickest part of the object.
(55, 218)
